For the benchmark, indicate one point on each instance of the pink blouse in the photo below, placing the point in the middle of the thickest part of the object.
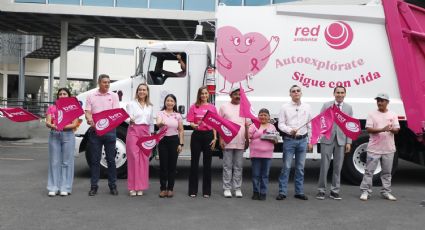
(259, 148)
(171, 120)
(196, 114)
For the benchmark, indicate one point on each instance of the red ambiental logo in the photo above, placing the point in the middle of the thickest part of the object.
(339, 35)
(306, 34)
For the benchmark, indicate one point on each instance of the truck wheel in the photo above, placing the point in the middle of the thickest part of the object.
(355, 163)
(120, 158)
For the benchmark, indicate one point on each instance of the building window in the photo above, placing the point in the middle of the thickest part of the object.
(231, 2)
(132, 3)
(30, 1)
(257, 2)
(205, 5)
(166, 4)
(282, 1)
(69, 2)
(98, 2)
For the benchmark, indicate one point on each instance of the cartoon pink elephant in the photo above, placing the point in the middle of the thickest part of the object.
(241, 56)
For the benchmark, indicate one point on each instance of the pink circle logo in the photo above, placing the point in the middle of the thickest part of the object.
(353, 127)
(102, 124)
(226, 131)
(149, 144)
(60, 115)
(339, 35)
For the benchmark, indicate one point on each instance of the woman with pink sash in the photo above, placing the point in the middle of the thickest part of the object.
(141, 124)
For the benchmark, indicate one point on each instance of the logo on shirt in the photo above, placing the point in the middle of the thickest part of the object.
(149, 144)
(353, 127)
(102, 124)
(226, 131)
(60, 115)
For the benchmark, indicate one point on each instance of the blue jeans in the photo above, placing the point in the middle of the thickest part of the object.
(96, 143)
(298, 148)
(260, 174)
(61, 161)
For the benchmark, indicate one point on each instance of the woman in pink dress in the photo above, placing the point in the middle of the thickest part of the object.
(140, 111)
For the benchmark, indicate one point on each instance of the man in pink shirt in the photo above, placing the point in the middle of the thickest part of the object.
(381, 124)
(233, 151)
(98, 101)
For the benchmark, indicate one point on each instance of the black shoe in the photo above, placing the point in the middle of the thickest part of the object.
(301, 197)
(255, 196)
(320, 196)
(114, 191)
(335, 196)
(263, 196)
(281, 197)
(93, 191)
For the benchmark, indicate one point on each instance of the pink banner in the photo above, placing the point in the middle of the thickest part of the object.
(147, 143)
(68, 109)
(321, 125)
(18, 114)
(349, 125)
(246, 109)
(107, 120)
(227, 129)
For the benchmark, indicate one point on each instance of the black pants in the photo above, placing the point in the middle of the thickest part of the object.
(200, 142)
(167, 161)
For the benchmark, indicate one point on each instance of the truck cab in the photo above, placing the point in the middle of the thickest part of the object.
(157, 66)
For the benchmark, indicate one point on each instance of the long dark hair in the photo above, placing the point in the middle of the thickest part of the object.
(198, 96)
(164, 107)
(63, 89)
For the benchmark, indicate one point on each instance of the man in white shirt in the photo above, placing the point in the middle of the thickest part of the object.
(294, 122)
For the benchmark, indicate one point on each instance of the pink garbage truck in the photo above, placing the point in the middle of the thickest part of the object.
(373, 48)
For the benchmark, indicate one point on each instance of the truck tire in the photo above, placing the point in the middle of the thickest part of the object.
(355, 163)
(120, 159)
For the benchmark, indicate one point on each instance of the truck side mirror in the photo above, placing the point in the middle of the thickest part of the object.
(181, 109)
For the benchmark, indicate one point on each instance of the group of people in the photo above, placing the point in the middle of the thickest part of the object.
(294, 122)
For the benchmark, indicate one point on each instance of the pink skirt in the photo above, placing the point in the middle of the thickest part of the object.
(137, 162)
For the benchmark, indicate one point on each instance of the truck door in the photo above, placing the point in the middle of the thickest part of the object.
(406, 32)
(167, 75)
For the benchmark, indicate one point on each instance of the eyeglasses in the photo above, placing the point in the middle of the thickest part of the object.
(295, 91)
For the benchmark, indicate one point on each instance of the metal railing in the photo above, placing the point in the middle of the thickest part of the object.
(36, 107)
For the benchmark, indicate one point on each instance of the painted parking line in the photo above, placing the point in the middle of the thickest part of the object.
(15, 159)
(23, 146)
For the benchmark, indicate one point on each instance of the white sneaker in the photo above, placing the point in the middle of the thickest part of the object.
(63, 193)
(389, 196)
(238, 193)
(140, 193)
(227, 193)
(364, 196)
(51, 194)
(132, 193)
